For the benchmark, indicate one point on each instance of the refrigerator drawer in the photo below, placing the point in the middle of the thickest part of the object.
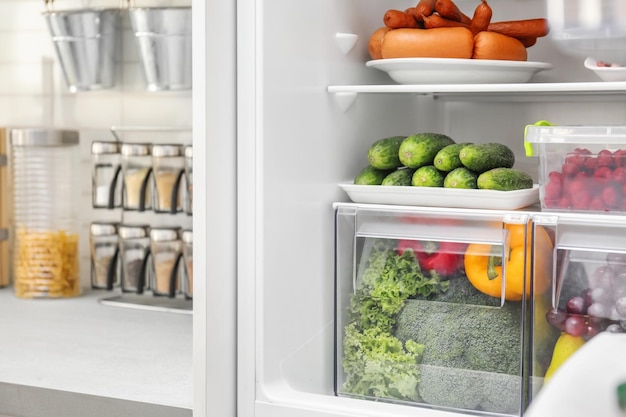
(422, 315)
(587, 290)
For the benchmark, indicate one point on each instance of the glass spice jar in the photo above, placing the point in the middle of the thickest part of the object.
(136, 171)
(105, 190)
(165, 249)
(168, 167)
(189, 177)
(45, 228)
(104, 253)
(134, 243)
(187, 238)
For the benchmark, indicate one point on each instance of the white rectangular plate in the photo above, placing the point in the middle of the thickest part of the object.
(442, 197)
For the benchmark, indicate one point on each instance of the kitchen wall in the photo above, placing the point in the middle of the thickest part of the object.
(33, 92)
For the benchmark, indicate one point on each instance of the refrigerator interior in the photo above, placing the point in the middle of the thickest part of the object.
(311, 132)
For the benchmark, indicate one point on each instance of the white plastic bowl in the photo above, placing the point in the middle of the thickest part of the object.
(606, 73)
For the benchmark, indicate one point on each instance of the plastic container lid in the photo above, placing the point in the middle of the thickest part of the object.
(576, 134)
(188, 151)
(40, 137)
(135, 149)
(133, 231)
(99, 148)
(164, 234)
(187, 236)
(103, 229)
(167, 150)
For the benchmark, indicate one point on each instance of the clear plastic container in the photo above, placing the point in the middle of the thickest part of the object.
(189, 177)
(45, 192)
(187, 238)
(134, 241)
(166, 251)
(105, 157)
(168, 167)
(104, 243)
(581, 168)
(136, 171)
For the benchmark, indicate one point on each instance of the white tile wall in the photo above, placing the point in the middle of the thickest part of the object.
(33, 93)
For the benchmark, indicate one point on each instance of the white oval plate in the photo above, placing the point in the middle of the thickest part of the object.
(457, 71)
(441, 197)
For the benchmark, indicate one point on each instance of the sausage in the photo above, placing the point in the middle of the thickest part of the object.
(493, 45)
(528, 41)
(437, 21)
(428, 43)
(449, 10)
(395, 19)
(521, 28)
(375, 42)
(481, 18)
(424, 8)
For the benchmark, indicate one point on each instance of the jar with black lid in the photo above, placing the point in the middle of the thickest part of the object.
(106, 168)
(103, 237)
(136, 171)
(134, 243)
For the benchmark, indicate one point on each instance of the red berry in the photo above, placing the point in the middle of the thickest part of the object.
(569, 169)
(597, 204)
(555, 176)
(552, 190)
(605, 158)
(563, 202)
(611, 196)
(619, 174)
(591, 164)
(619, 157)
(581, 199)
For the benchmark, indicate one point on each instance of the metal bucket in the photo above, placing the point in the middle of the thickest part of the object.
(85, 42)
(163, 37)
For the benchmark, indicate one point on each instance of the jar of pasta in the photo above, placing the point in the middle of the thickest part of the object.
(168, 166)
(45, 227)
(136, 171)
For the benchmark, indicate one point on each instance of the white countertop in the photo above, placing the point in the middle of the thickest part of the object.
(80, 346)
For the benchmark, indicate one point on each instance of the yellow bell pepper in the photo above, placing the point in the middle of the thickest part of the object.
(483, 265)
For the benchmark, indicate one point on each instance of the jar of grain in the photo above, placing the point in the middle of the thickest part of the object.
(45, 228)
(134, 243)
(187, 238)
(168, 167)
(103, 241)
(166, 251)
(105, 189)
(189, 177)
(136, 171)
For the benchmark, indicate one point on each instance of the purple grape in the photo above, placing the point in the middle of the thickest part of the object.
(598, 310)
(620, 307)
(586, 295)
(614, 328)
(576, 305)
(601, 277)
(556, 318)
(601, 295)
(575, 326)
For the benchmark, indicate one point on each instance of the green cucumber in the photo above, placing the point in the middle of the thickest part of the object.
(461, 178)
(485, 156)
(371, 176)
(504, 179)
(428, 176)
(383, 154)
(420, 149)
(448, 158)
(400, 177)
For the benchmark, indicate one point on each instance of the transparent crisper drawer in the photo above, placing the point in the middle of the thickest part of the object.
(412, 325)
(587, 290)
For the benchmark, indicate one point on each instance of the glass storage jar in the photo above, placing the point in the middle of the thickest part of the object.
(136, 171)
(45, 199)
(105, 189)
(187, 238)
(168, 166)
(134, 243)
(189, 177)
(166, 251)
(104, 253)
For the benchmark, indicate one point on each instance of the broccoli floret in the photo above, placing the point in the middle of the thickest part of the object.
(460, 290)
(472, 356)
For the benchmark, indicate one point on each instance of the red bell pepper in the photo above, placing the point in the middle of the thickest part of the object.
(442, 258)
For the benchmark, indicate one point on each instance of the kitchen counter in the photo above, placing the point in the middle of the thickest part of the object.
(78, 357)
